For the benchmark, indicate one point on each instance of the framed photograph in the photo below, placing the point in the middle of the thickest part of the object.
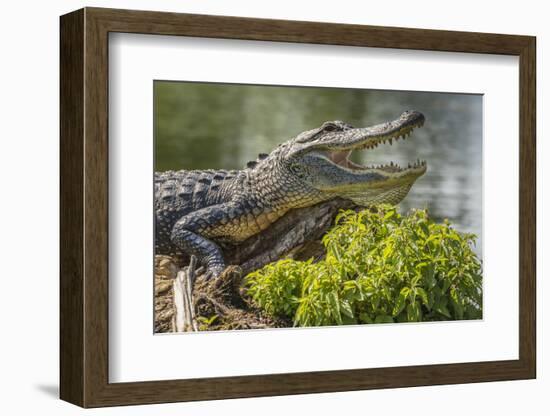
(255, 207)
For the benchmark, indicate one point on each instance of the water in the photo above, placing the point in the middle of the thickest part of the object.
(201, 126)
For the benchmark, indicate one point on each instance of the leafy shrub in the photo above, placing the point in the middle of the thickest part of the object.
(380, 267)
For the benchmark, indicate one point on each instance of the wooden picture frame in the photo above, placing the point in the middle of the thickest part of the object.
(84, 207)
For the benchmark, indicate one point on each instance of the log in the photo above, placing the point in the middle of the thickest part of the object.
(184, 310)
(222, 303)
(296, 235)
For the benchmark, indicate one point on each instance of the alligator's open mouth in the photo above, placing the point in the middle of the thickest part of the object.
(371, 138)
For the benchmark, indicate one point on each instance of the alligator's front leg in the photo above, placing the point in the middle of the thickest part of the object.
(192, 234)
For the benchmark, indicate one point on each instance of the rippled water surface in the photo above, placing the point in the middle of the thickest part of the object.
(200, 126)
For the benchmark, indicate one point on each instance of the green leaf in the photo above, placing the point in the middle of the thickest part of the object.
(388, 215)
(456, 303)
(414, 312)
(335, 305)
(442, 309)
(365, 318)
(400, 304)
(429, 276)
(423, 295)
(346, 320)
(387, 251)
(383, 319)
(424, 229)
(345, 307)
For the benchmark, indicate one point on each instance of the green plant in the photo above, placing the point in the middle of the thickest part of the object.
(206, 323)
(380, 267)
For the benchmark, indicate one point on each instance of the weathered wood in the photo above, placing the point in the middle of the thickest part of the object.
(295, 235)
(184, 309)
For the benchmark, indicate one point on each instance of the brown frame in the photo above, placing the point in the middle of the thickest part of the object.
(84, 209)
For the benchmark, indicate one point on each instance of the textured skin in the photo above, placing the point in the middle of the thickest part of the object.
(195, 210)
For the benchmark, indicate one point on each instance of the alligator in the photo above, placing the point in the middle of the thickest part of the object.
(197, 210)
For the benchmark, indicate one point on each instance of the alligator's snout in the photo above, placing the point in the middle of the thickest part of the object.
(342, 140)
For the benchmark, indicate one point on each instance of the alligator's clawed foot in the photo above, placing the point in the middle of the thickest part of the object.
(212, 273)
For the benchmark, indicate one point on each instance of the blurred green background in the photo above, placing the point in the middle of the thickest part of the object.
(205, 126)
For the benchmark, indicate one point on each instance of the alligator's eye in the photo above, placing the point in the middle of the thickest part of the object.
(329, 128)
